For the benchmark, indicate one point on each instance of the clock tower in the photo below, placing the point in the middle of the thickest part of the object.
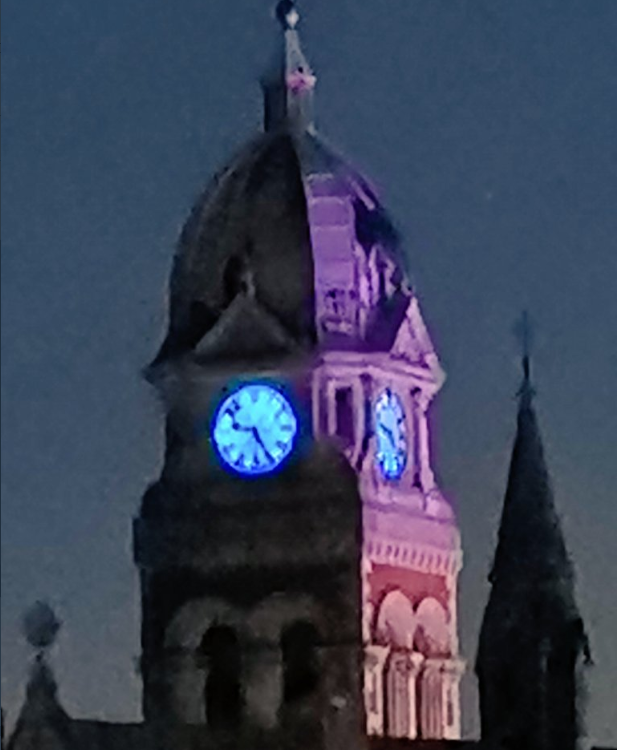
(298, 562)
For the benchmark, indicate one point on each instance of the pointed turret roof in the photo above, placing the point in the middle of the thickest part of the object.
(532, 633)
(42, 721)
(531, 550)
(532, 577)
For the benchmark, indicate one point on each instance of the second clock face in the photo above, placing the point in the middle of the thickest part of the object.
(391, 435)
(254, 429)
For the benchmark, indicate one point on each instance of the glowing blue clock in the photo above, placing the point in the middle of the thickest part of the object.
(391, 435)
(254, 429)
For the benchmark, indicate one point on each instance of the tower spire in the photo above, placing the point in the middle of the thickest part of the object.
(287, 14)
(288, 88)
(532, 634)
(524, 332)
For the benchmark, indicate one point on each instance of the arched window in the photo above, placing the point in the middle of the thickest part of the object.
(299, 644)
(223, 691)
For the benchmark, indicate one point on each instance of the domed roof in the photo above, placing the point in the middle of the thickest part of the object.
(293, 221)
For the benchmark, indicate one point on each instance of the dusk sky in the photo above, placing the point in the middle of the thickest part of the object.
(489, 128)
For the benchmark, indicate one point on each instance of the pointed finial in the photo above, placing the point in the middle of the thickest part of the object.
(287, 14)
(524, 332)
(40, 626)
(288, 89)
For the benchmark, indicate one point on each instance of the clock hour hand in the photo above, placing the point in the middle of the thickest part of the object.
(236, 426)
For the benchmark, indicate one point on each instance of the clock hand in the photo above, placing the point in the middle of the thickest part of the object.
(389, 434)
(257, 437)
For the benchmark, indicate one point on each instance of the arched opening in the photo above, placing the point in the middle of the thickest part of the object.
(223, 689)
(299, 643)
(396, 622)
(344, 412)
(432, 634)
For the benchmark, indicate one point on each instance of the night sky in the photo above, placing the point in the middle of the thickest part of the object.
(490, 128)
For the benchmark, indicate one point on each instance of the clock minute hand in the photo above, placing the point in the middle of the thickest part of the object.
(257, 437)
(389, 434)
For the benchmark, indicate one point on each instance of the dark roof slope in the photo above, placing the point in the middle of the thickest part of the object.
(253, 214)
(253, 220)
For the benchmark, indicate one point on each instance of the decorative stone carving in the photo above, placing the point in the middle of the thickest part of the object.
(414, 556)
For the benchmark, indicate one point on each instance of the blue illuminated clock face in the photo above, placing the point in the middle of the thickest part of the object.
(254, 429)
(391, 435)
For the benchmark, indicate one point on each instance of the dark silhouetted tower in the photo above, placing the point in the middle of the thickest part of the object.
(532, 635)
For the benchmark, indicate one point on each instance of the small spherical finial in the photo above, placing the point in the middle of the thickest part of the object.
(287, 14)
(40, 626)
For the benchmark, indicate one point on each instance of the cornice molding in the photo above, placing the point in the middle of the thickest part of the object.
(424, 558)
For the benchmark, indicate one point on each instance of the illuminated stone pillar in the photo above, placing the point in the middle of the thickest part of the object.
(431, 700)
(427, 478)
(452, 672)
(439, 698)
(374, 674)
(401, 698)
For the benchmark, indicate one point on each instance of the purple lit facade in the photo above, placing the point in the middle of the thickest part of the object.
(372, 339)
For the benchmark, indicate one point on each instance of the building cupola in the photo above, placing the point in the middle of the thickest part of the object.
(323, 255)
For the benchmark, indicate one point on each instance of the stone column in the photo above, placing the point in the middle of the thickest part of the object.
(316, 402)
(368, 609)
(427, 478)
(374, 665)
(431, 700)
(452, 671)
(439, 701)
(401, 679)
(264, 685)
(187, 688)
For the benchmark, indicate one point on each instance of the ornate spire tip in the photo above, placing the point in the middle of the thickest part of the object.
(40, 626)
(287, 14)
(524, 332)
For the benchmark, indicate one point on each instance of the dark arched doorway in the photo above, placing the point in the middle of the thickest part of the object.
(299, 644)
(223, 689)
